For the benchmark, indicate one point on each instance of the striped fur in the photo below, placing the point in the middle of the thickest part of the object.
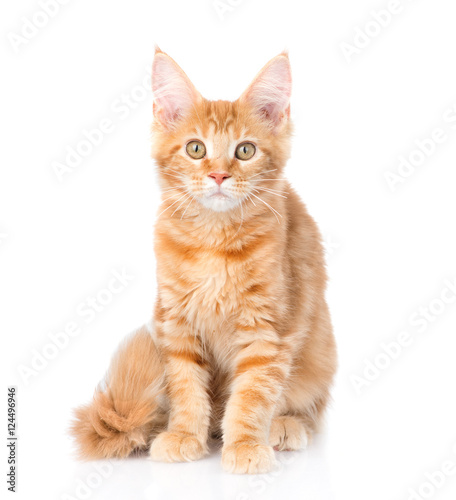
(241, 325)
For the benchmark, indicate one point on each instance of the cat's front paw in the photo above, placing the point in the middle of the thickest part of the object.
(248, 458)
(177, 447)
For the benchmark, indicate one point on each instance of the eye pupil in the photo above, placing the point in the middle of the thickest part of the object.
(245, 151)
(196, 149)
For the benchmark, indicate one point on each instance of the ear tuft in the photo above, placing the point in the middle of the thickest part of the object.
(174, 93)
(269, 93)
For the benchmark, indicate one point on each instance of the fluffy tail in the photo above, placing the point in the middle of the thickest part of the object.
(126, 412)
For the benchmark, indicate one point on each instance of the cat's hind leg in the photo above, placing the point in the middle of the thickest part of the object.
(126, 409)
(289, 433)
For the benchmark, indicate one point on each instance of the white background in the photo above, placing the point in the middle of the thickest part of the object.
(389, 252)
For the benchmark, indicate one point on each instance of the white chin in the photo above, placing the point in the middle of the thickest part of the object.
(219, 203)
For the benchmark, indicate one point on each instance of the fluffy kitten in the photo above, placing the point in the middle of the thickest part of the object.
(241, 345)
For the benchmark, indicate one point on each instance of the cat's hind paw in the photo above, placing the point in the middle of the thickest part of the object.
(288, 433)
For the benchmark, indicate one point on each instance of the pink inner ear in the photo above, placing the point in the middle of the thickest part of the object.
(270, 92)
(174, 94)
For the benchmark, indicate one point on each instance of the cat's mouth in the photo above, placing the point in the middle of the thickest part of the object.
(219, 201)
(219, 195)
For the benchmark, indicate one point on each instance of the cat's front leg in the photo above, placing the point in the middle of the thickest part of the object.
(187, 382)
(261, 368)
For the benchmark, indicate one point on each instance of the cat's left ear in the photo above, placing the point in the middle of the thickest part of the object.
(269, 93)
(174, 93)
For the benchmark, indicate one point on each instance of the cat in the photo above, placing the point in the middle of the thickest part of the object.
(240, 347)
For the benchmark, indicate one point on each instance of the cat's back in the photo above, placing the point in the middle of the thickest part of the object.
(304, 249)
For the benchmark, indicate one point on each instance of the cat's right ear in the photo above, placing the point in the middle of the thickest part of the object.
(174, 93)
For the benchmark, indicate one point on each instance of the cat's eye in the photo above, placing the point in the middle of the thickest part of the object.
(196, 150)
(245, 151)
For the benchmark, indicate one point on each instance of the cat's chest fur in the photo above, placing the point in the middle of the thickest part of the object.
(214, 288)
(203, 285)
(215, 285)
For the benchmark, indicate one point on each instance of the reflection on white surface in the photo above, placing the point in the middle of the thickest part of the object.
(297, 475)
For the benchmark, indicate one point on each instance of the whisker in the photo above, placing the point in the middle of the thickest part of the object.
(259, 186)
(193, 197)
(171, 175)
(265, 172)
(172, 204)
(270, 192)
(169, 197)
(189, 194)
(242, 221)
(173, 170)
(269, 206)
(261, 180)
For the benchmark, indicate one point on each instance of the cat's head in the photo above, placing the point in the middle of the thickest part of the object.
(220, 153)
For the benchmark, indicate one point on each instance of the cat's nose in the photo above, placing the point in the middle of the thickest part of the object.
(219, 177)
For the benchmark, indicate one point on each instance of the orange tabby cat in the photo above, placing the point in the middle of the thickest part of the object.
(241, 345)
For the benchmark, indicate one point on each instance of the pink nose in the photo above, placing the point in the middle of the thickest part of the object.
(219, 178)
